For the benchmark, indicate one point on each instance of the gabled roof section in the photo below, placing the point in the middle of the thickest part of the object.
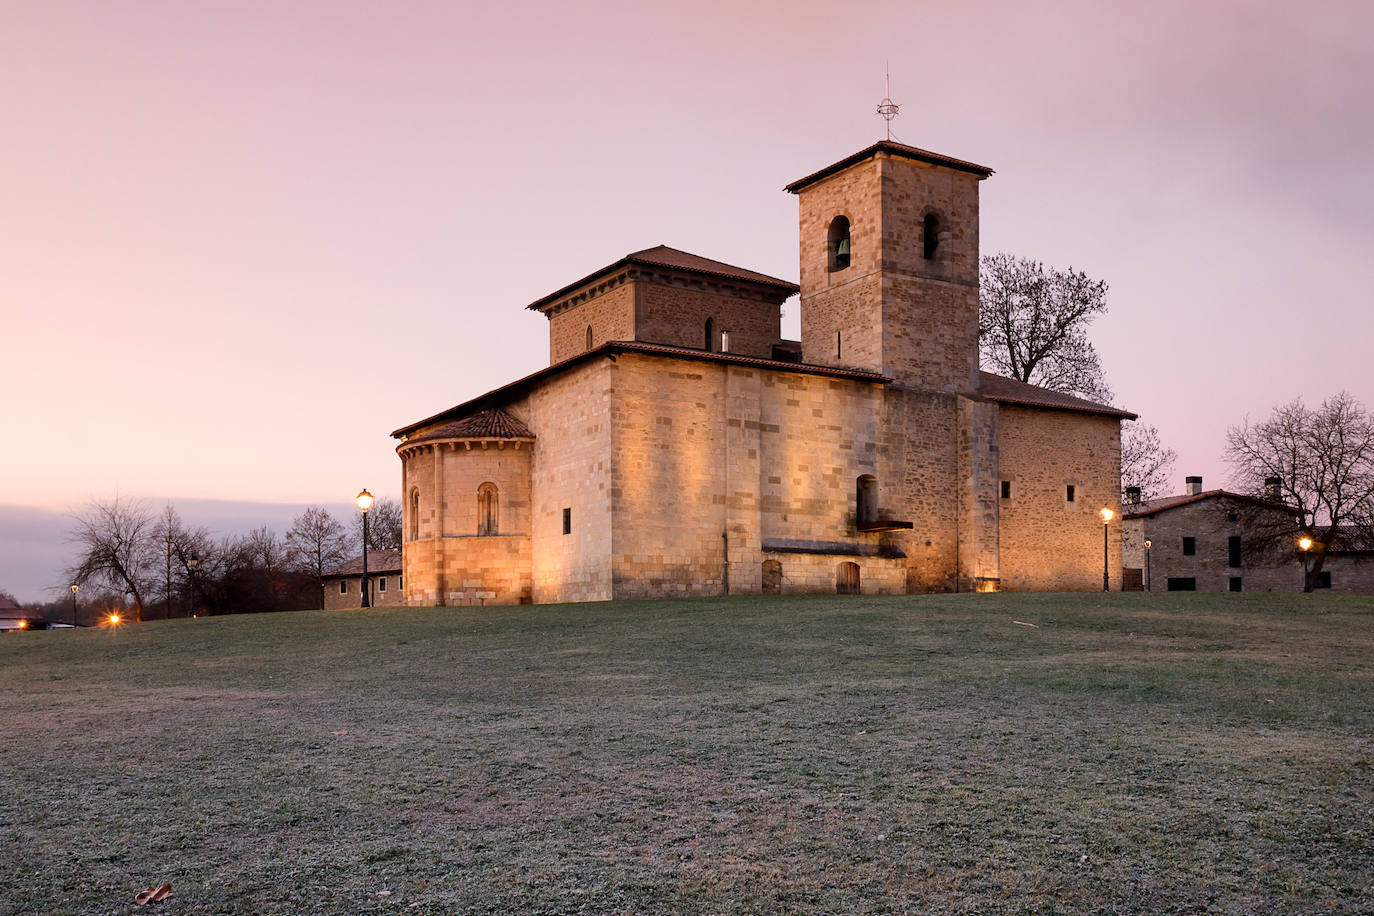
(1009, 391)
(674, 259)
(1151, 507)
(900, 150)
(492, 423)
(378, 561)
(609, 349)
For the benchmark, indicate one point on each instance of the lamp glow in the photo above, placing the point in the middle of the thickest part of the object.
(114, 618)
(1304, 543)
(364, 500)
(1106, 514)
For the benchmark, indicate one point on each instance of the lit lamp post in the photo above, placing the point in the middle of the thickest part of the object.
(1304, 544)
(191, 563)
(1148, 544)
(365, 503)
(1106, 518)
(75, 588)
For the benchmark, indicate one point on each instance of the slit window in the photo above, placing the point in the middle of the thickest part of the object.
(866, 500)
(1189, 546)
(415, 514)
(838, 348)
(837, 243)
(710, 335)
(1068, 493)
(930, 235)
(567, 521)
(1006, 489)
(487, 510)
(589, 337)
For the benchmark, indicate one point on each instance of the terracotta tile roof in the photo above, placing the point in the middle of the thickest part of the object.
(1148, 507)
(895, 149)
(663, 256)
(1010, 391)
(379, 562)
(492, 423)
(516, 388)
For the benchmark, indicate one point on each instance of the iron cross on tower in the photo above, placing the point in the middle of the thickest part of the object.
(888, 108)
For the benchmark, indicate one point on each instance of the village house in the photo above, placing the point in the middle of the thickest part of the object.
(343, 585)
(676, 445)
(1218, 541)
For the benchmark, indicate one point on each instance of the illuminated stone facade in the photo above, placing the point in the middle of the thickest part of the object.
(676, 446)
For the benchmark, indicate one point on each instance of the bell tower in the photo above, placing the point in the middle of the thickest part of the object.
(889, 266)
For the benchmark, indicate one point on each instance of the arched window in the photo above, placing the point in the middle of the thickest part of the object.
(847, 579)
(589, 337)
(930, 234)
(487, 510)
(866, 500)
(710, 334)
(415, 514)
(837, 243)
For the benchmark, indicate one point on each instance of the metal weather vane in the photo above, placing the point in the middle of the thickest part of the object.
(888, 108)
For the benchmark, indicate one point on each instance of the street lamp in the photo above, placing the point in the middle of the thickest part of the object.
(365, 503)
(75, 588)
(191, 563)
(1106, 518)
(1305, 544)
(1148, 544)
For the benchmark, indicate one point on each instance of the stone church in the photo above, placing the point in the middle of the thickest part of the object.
(676, 445)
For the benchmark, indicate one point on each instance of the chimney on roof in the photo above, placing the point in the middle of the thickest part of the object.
(1133, 496)
(1193, 485)
(1273, 488)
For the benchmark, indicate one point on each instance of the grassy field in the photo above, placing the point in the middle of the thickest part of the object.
(1129, 753)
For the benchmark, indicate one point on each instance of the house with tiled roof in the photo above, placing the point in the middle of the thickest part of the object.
(1223, 541)
(343, 585)
(677, 445)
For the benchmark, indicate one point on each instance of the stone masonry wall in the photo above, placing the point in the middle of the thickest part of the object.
(1211, 522)
(610, 315)
(676, 315)
(1047, 542)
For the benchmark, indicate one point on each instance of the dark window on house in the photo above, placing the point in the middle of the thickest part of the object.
(567, 521)
(930, 235)
(1189, 546)
(1322, 579)
(1006, 489)
(1235, 583)
(381, 584)
(343, 586)
(710, 334)
(866, 500)
(837, 244)
(1182, 584)
(1068, 493)
(1233, 551)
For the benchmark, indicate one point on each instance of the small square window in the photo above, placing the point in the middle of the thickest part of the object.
(1006, 489)
(1235, 583)
(381, 584)
(343, 586)
(567, 521)
(1322, 579)
(1068, 493)
(1189, 546)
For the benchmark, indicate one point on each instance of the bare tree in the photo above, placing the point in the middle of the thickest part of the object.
(1323, 461)
(117, 548)
(1033, 322)
(316, 544)
(1145, 462)
(383, 523)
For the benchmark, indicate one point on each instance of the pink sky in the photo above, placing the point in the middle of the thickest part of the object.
(241, 242)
